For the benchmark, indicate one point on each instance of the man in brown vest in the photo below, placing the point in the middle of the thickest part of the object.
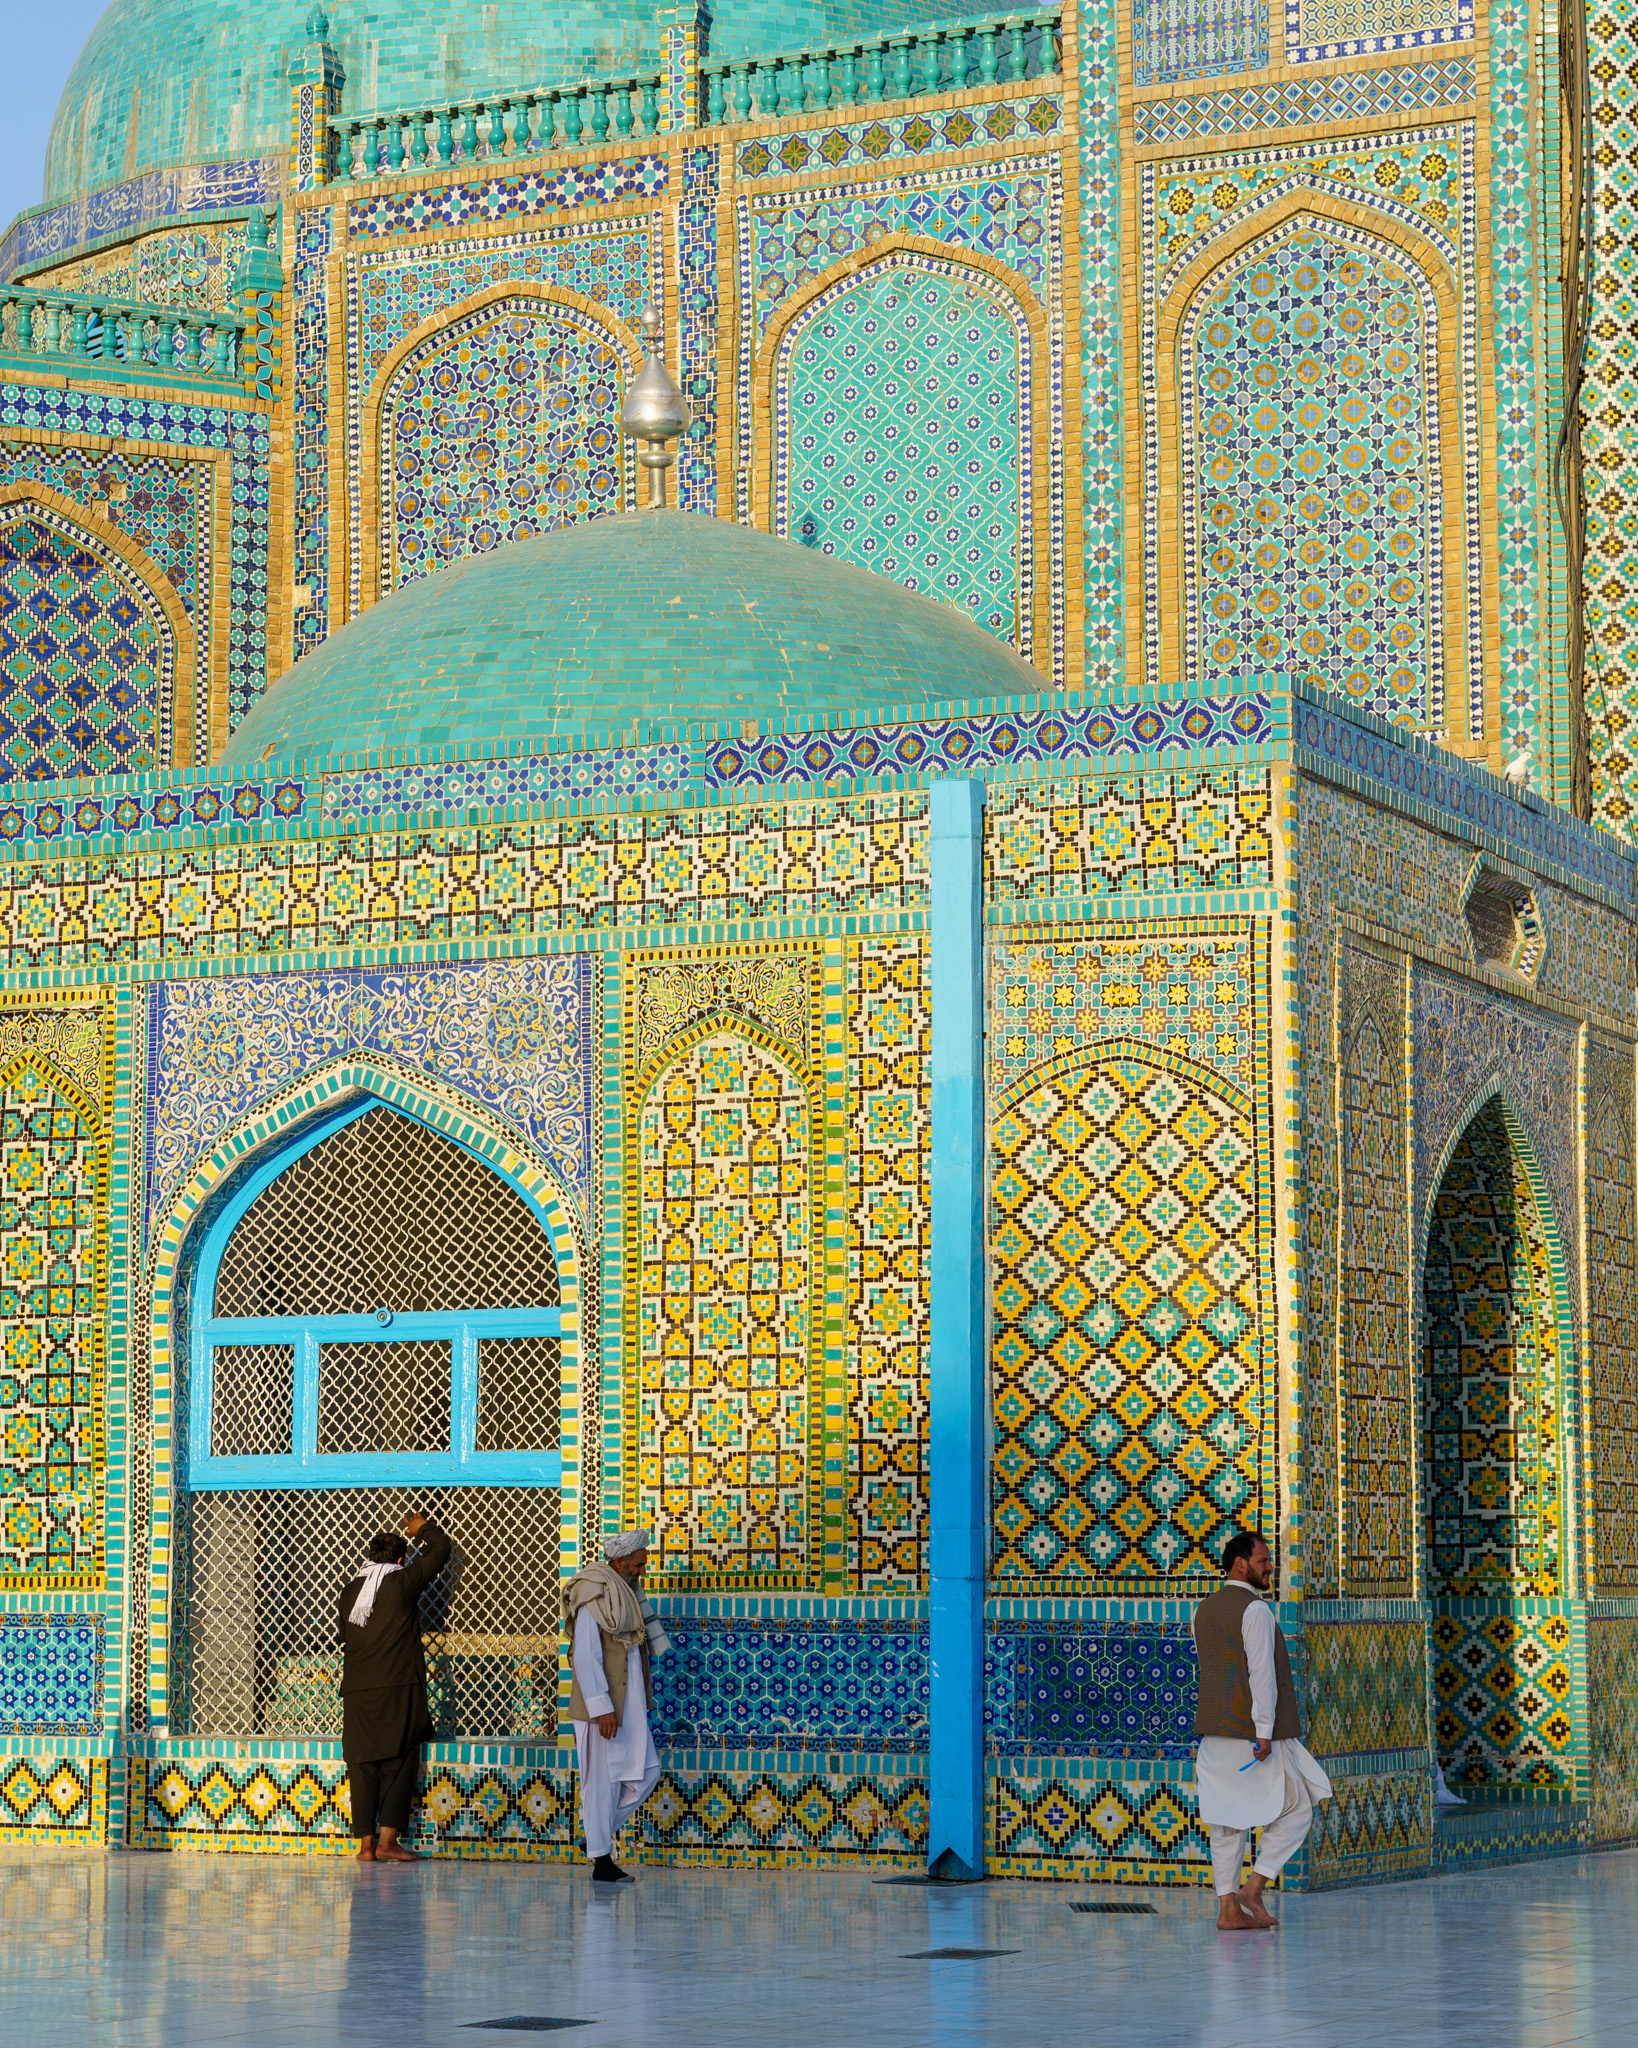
(1252, 1770)
(613, 1632)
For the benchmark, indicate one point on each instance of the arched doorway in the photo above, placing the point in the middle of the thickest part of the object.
(374, 1324)
(1492, 1470)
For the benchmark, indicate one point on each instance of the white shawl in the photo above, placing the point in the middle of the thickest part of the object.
(372, 1575)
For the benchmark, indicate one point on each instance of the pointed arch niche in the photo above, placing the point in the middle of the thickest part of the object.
(1496, 1352)
(497, 418)
(1312, 516)
(901, 410)
(365, 1299)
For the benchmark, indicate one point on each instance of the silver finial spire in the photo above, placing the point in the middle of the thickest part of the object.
(654, 411)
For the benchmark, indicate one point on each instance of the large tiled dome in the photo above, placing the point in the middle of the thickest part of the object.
(619, 624)
(164, 82)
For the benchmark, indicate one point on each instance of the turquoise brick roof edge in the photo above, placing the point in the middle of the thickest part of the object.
(168, 82)
(649, 618)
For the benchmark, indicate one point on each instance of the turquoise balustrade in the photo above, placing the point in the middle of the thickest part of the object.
(941, 57)
(514, 124)
(67, 328)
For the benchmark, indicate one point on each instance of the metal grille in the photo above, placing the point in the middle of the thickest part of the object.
(519, 1381)
(384, 1397)
(386, 1214)
(251, 1395)
(256, 1635)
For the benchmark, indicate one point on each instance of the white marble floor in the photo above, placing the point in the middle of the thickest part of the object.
(129, 1950)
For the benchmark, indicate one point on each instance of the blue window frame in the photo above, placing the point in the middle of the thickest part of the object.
(300, 1463)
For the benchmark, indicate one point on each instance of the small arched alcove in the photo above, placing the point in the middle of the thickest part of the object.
(1493, 1391)
(374, 1323)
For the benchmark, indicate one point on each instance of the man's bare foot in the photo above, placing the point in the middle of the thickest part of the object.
(366, 1849)
(1251, 1903)
(389, 1849)
(1232, 1917)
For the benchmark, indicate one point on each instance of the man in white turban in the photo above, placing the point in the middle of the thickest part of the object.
(613, 1634)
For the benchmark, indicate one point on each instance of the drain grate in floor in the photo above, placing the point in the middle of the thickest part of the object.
(1111, 1906)
(528, 2023)
(953, 1955)
(953, 1884)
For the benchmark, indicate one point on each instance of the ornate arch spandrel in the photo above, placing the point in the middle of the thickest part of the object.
(1306, 207)
(900, 249)
(548, 297)
(104, 538)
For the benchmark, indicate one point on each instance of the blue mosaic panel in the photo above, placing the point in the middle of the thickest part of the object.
(310, 332)
(1177, 39)
(857, 1685)
(507, 198)
(888, 136)
(1345, 96)
(902, 418)
(1318, 30)
(1311, 507)
(87, 658)
(1110, 1689)
(55, 819)
(503, 424)
(697, 305)
(51, 1674)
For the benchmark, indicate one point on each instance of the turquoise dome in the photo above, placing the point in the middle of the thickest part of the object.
(165, 82)
(618, 625)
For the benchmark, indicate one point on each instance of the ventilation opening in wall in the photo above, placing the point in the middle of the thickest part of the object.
(1504, 922)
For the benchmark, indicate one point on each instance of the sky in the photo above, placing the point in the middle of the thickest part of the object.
(40, 40)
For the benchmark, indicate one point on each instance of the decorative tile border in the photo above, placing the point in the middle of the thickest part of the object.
(896, 135)
(1449, 21)
(1344, 96)
(821, 1684)
(118, 211)
(54, 1799)
(45, 825)
(364, 802)
(506, 198)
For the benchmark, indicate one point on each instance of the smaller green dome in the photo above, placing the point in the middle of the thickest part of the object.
(651, 618)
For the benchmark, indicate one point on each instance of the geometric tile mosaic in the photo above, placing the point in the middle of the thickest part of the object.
(633, 869)
(1109, 1689)
(487, 200)
(901, 437)
(188, 268)
(1139, 834)
(1318, 30)
(87, 658)
(51, 1674)
(715, 1812)
(1183, 39)
(1366, 1684)
(1612, 1315)
(1312, 511)
(1612, 1716)
(1105, 1827)
(502, 424)
(53, 1221)
(1502, 1684)
(1129, 1320)
(890, 1158)
(1348, 96)
(53, 1798)
(894, 135)
(776, 1684)
(1371, 1828)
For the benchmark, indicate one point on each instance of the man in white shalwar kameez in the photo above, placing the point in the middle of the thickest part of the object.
(1252, 1770)
(613, 1634)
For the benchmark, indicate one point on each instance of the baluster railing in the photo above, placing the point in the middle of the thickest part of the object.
(78, 329)
(941, 57)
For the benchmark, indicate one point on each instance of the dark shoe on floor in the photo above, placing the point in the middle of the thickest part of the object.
(606, 1871)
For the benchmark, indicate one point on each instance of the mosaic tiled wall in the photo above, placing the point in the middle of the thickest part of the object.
(56, 1111)
(1133, 1309)
(192, 267)
(51, 1674)
(1612, 1709)
(1503, 1695)
(728, 1144)
(1612, 1315)
(54, 1799)
(803, 1683)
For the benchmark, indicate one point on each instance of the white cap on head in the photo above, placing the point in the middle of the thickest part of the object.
(626, 1544)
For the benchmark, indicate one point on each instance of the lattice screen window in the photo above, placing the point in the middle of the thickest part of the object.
(256, 1640)
(376, 1327)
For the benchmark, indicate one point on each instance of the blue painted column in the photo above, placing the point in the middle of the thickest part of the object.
(955, 1847)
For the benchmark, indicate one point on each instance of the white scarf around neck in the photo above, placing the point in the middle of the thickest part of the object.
(364, 1605)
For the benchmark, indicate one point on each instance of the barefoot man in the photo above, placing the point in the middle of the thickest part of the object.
(613, 1632)
(1252, 1770)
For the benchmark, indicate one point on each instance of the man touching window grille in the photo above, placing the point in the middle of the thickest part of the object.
(384, 1684)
